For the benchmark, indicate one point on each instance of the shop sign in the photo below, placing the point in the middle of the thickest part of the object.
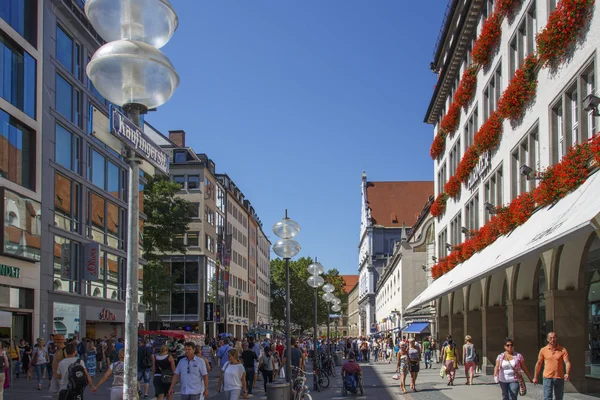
(480, 170)
(106, 315)
(208, 312)
(137, 140)
(8, 271)
(65, 261)
(91, 261)
(218, 313)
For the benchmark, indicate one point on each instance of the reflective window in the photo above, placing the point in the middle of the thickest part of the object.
(191, 303)
(96, 288)
(17, 76)
(113, 183)
(180, 156)
(66, 203)
(66, 254)
(96, 218)
(66, 318)
(17, 152)
(22, 226)
(192, 239)
(179, 179)
(98, 173)
(193, 182)
(178, 271)
(64, 49)
(21, 15)
(67, 100)
(67, 149)
(113, 226)
(114, 281)
(191, 272)
(194, 210)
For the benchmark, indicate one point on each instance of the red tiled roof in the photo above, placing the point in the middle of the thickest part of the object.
(395, 203)
(349, 282)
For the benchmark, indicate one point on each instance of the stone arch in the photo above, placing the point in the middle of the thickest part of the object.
(523, 279)
(474, 296)
(496, 289)
(583, 280)
(567, 269)
(458, 302)
(444, 306)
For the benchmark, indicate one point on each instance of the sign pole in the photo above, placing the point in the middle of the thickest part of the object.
(131, 297)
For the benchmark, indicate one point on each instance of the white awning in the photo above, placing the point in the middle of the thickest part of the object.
(577, 213)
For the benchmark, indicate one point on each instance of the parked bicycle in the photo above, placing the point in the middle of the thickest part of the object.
(301, 391)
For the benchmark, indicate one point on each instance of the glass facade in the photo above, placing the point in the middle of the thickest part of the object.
(68, 100)
(21, 15)
(17, 152)
(22, 226)
(17, 76)
(67, 195)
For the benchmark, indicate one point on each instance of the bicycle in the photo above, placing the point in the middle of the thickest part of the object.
(322, 378)
(299, 387)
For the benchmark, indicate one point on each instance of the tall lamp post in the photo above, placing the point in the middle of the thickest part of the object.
(315, 280)
(286, 248)
(336, 308)
(130, 71)
(328, 296)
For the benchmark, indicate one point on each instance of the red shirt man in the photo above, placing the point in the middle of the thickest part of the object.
(351, 367)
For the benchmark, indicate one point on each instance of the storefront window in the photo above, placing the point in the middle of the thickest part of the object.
(22, 226)
(66, 319)
(66, 275)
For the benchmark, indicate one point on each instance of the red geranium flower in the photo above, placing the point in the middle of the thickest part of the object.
(466, 88)
(488, 136)
(437, 147)
(520, 90)
(453, 187)
(488, 39)
(507, 8)
(439, 205)
(466, 165)
(451, 119)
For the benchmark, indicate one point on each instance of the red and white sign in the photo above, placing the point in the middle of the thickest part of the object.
(91, 261)
(106, 315)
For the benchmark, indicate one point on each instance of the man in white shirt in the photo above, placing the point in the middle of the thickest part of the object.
(193, 374)
(67, 393)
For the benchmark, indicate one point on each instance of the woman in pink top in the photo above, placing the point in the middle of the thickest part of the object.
(509, 367)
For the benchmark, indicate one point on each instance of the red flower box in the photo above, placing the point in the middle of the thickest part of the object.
(437, 147)
(520, 90)
(467, 164)
(453, 187)
(488, 136)
(507, 8)
(439, 205)
(466, 88)
(488, 39)
(451, 119)
(563, 27)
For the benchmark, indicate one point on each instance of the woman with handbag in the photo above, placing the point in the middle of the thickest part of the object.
(163, 366)
(40, 359)
(402, 367)
(117, 369)
(414, 361)
(233, 377)
(509, 370)
(266, 365)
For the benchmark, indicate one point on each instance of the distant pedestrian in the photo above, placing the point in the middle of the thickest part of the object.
(163, 368)
(469, 359)
(3, 366)
(40, 359)
(402, 366)
(507, 371)
(414, 360)
(427, 352)
(449, 360)
(554, 358)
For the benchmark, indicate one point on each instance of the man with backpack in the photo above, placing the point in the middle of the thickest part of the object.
(144, 367)
(73, 375)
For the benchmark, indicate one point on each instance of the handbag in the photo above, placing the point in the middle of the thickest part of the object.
(443, 371)
(166, 377)
(520, 380)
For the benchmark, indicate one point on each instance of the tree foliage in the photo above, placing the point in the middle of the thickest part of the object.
(301, 295)
(168, 217)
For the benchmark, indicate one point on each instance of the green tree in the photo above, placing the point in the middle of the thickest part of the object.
(168, 217)
(301, 295)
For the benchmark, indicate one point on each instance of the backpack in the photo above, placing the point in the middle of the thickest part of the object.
(146, 361)
(475, 357)
(350, 382)
(77, 378)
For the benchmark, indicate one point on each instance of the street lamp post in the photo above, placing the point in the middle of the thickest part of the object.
(336, 308)
(315, 280)
(328, 297)
(130, 71)
(286, 248)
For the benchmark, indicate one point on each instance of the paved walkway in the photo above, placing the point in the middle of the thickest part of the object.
(377, 381)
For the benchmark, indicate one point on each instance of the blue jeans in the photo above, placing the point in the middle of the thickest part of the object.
(427, 354)
(39, 371)
(510, 390)
(559, 388)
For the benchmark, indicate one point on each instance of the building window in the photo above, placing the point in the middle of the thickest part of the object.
(21, 15)
(66, 203)
(455, 230)
(442, 240)
(571, 124)
(194, 210)
(96, 220)
(209, 215)
(522, 43)
(493, 191)
(17, 152)
(180, 156)
(210, 244)
(114, 226)
(66, 257)
(472, 213)
(180, 179)
(97, 168)
(454, 157)
(525, 153)
(67, 149)
(115, 181)
(221, 199)
(178, 240)
(17, 76)
(22, 226)
(193, 182)
(492, 93)
(92, 88)
(64, 48)
(68, 100)
(487, 9)
(470, 129)
(441, 177)
(192, 239)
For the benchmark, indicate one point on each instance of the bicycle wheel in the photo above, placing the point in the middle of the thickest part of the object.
(323, 380)
(332, 369)
(306, 396)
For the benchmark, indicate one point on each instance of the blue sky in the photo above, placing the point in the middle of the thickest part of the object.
(294, 99)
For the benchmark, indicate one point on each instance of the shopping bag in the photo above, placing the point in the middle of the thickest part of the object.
(443, 371)
(282, 373)
(396, 376)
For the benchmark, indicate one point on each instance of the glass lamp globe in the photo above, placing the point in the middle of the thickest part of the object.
(315, 281)
(148, 21)
(328, 296)
(336, 308)
(286, 248)
(328, 288)
(336, 301)
(315, 268)
(128, 72)
(286, 228)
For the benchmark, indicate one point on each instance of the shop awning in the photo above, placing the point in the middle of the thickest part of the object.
(416, 327)
(576, 214)
(400, 329)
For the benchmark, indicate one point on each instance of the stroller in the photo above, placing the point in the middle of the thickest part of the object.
(353, 384)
